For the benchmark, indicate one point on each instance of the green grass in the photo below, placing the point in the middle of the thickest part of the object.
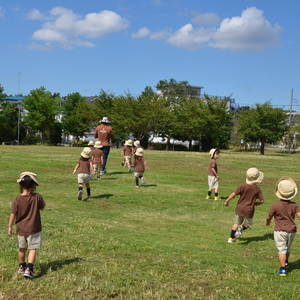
(161, 241)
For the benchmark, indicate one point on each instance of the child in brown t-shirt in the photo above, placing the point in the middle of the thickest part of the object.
(25, 210)
(244, 211)
(213, 176)
(140, 165)
(284, 212)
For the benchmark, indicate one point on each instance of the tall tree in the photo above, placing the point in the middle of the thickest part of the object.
(42, 108)
(262, 123)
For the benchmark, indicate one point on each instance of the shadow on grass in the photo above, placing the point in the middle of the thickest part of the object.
(247, 240)
(294, 265)
(148, 185)
(104, 196)
(55, 265)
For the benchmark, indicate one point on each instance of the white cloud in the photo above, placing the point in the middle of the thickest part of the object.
(190, 38)
(143, 32)
(251, 32)
(69, 30)
(206, 19)
(1, 12)
(35, 14)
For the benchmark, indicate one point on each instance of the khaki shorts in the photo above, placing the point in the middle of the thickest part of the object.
(138, 174)
(243, 221)
(283, 241)
(213, 182)
(97, 167)
(83, 178)
(31, 242)
(127, 158)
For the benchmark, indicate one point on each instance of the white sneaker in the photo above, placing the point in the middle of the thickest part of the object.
(143, 180)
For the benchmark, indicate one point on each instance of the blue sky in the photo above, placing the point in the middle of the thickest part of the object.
(247, 49)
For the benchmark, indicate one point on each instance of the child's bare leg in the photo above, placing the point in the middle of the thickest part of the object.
(282, 260)
(22, 255)
(235, 227)
(31, 256)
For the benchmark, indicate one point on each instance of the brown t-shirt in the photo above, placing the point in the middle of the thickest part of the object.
(139, 164)
(97, 153)
(284, 212)
(84, 165)
(26, 208)
(248, 193)
(127, 151)
(212, 165)
(104, 133)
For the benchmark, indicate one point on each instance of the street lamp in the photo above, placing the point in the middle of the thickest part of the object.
(19, 83)
(19, 112)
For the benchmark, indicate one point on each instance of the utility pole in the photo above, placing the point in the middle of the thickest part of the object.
(291, 107)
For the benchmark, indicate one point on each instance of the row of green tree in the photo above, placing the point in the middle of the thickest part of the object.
(174, 114)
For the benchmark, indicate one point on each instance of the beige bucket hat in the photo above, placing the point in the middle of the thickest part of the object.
(254, 176)
(139, 152)
(212, 152)
(128, 143)
(91, 143)
(86, 152)
(33, 176)
(286, 188)
(105, 120)
(137, 143)
(98, 144)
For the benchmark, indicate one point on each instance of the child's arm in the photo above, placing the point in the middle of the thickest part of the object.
(215, 173)
(298, 215)
(145, 164)
(259, 202)
(229, 198)
(75, 169)
(269, 218)
(10, 223)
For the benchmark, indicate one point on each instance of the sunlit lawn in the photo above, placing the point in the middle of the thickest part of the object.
(161, 241)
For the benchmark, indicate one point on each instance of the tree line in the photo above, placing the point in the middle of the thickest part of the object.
(176, 113)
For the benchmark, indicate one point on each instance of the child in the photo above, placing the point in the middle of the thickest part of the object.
(127, 154)
(213, 177)
(97, 158)
(245, 208)
(140, 166)
(85, 166)
(136, 145)
(284, 212)
(25, 210)
(91, 146)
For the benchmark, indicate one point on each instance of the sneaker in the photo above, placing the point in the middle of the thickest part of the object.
(80, 195)
(217, 198)
(21, 269)
(208, 197)
(137, 186)
(231, 240)
(143, 180)
(282, 272)
(98, 178)
(89, 197)
(28, 273)
(287, 264)
(239, 232)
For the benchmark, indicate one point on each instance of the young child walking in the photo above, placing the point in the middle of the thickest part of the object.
(140, 165)
(249, 192)
(213, 176)
(127, 153)
(284, 212)
(84, 167)
(25, 211)
(97, 158)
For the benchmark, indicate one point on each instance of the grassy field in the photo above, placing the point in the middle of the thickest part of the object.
(161, 241)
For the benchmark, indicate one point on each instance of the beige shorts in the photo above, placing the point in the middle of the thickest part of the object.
(127, 158)
(138, 174)
(31, 242)
(213, 182)
(97, 167)
(243, 221)
(83, 178)
(283, 241)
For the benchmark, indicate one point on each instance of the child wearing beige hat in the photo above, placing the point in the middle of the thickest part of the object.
(97, 158)
(127, 153)
(140, 165)
(249, 192)
(84, 167)
(213, 176)
(284, 212)
(25, 211)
